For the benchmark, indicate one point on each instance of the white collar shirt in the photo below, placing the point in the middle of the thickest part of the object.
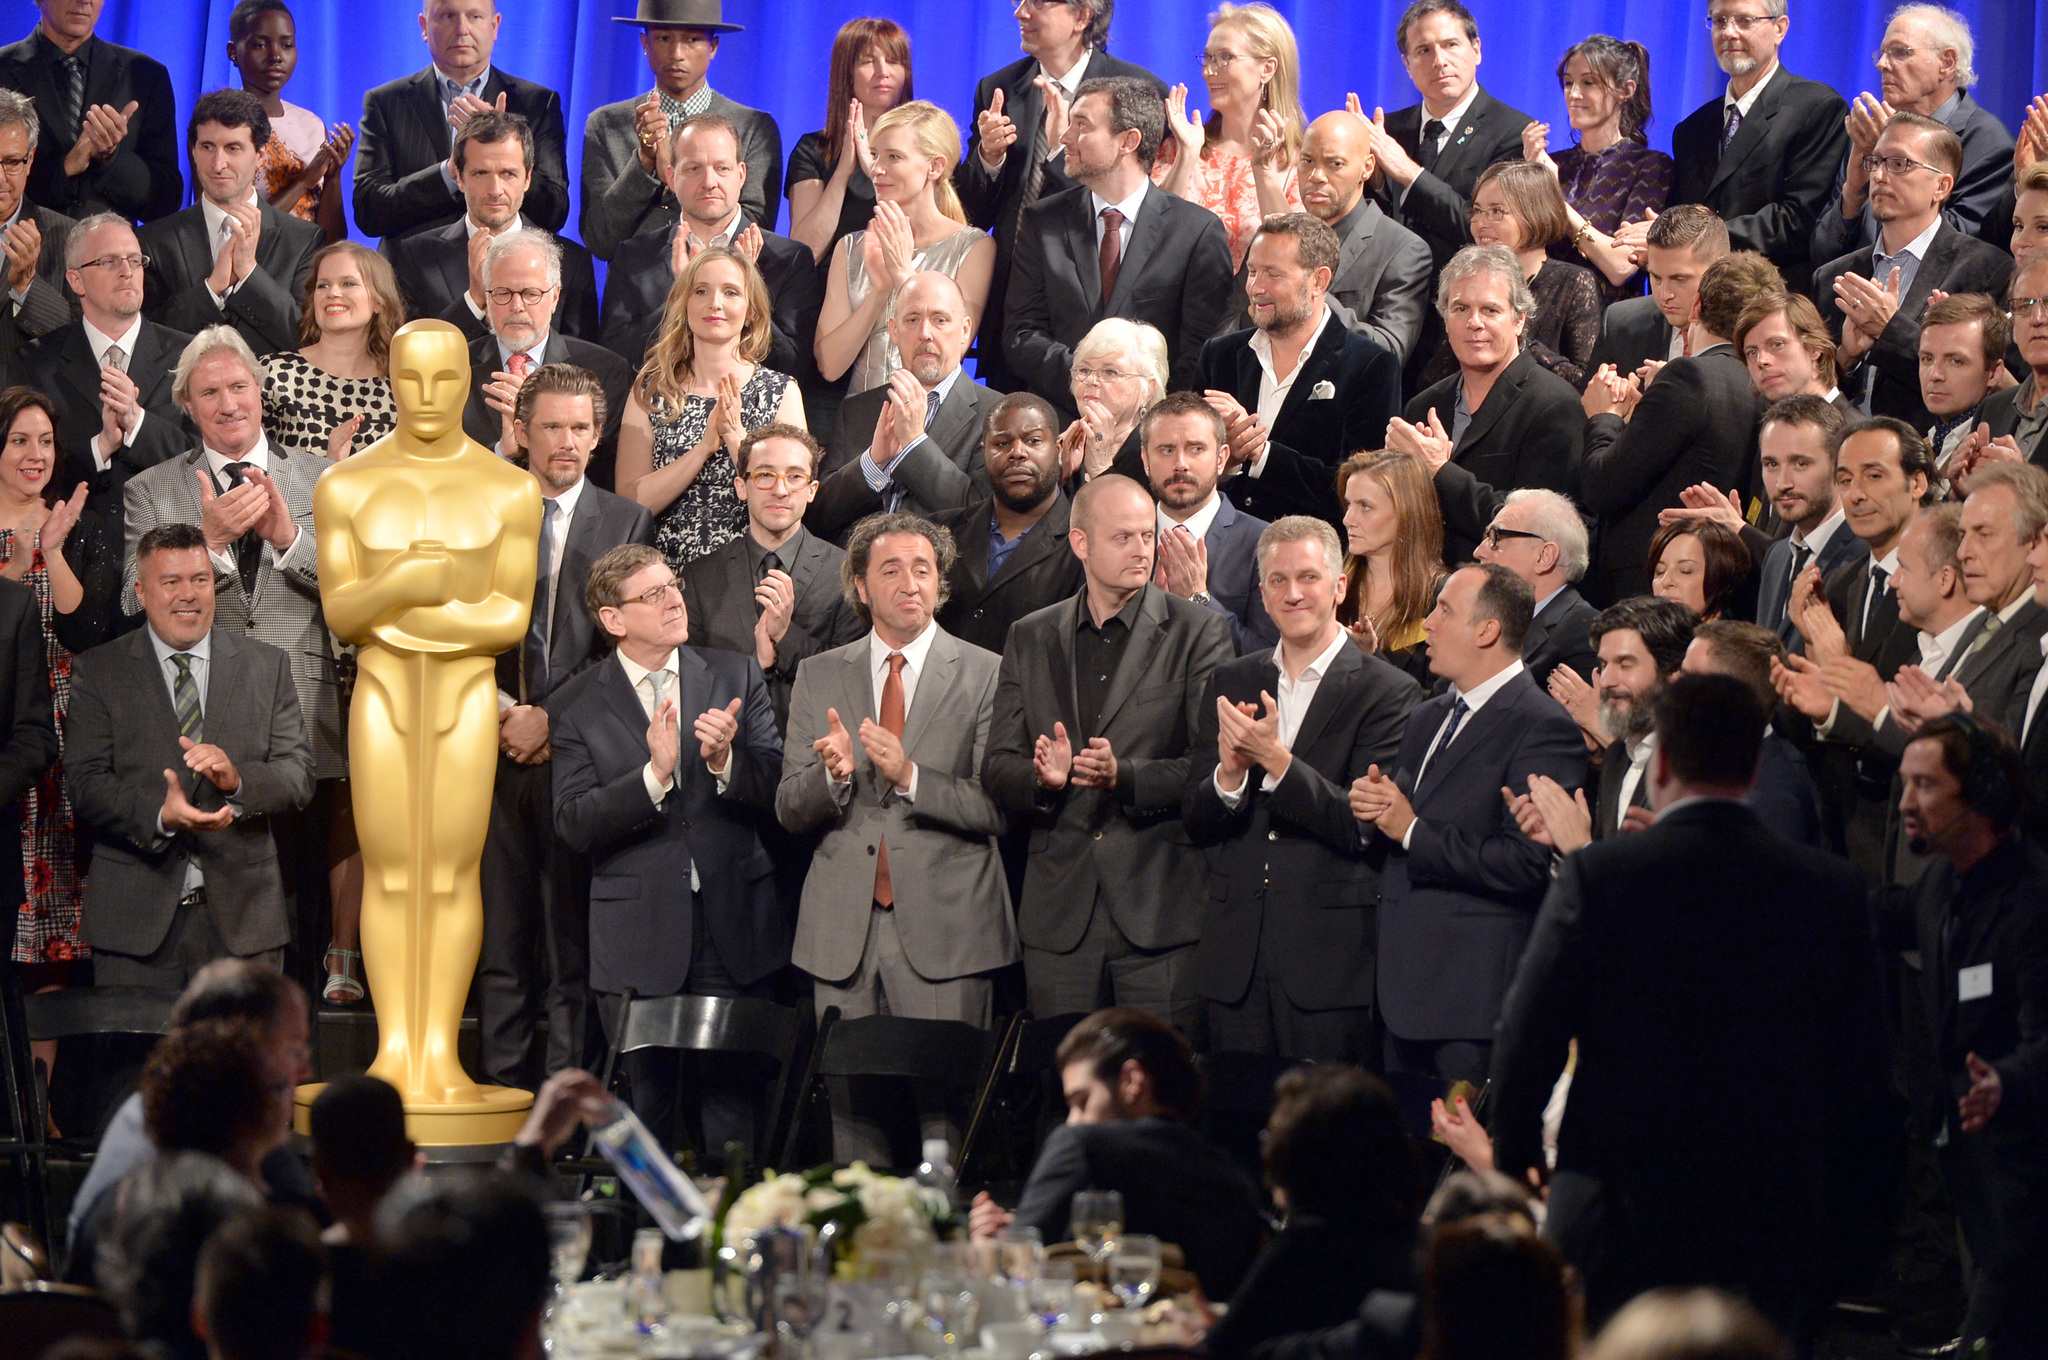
(723, 237)
(1748, 101)
(1198, 523)
(1638, 762)
(914, 654)
(1129, 208)
(1453, 118)
(1293, 698)
(1070, 83)
(1273, 388)
(1937, 648)
(100, 342)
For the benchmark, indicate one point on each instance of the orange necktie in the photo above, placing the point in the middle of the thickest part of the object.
(892, 720)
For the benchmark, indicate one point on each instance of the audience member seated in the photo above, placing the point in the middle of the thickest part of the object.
(260, 1291)
(1493, 1290)
(1120, 372)
(1783, 797)
(1132, 1090)
(301, 163)
(1393, 557)
(1207, 549)
(466, 1259)
(405, 178)
(1677, 249)
(2014, 417)
(830, 194)
(35, 304)
(360, 1151)
(146, 1265)
(1963, 341)
(1701, 565)
(331, 396)
(626, 185)
(1381, 288)
(1789, 350)
(1541, 537)
(1502, 422)
(441, 270)
(1696, 1324)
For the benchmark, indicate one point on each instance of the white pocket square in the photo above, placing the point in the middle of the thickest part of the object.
(1323, 391)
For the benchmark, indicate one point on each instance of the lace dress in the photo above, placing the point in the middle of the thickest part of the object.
(47, 929)
(707, 516)
(302, 405)
(878, 358)
(1226, 186)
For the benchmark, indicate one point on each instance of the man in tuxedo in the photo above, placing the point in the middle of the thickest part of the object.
(1502, 421)
(536, 913)
(28, 732)
(1207, 547)
(1700, 964)
(1015, 148)
(1678, 248)
(914, 443)
(1462, 882)
(1540, 536)
(1795, 457)
(1113, 245)
(1764, 155)
(1784, 795)
(183, 741)
(107, 115)
(1270, 382)
(682, 895)
(32, 238)
(1111, 886)
(441, 270)
(405, 176)
(708, 176)
(1285, 959)
(229, 258)
(627, 179)
(1879, 291)
(1014, 555)
(1379, 287)
(522, 275)
(1963, 341)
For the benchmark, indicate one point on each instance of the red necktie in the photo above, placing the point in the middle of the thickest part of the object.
(892, 721)
(520, 363)
(1112, 256)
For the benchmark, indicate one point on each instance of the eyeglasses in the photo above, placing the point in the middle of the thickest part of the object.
(1494, 534)
(1896, 166)
(1217, 61)
(1035, 6)
(1898, 54)
(1475, 213)
(116, 264)
(2029, 308)
(14, 165)
(502, 297)
(654, 598)
(765, 479)
(1100, 375)
(1737, 23)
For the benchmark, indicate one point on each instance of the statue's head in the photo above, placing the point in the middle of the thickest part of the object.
(429, 377)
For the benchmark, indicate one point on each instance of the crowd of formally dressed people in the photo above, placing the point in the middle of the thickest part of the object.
(1407, 588)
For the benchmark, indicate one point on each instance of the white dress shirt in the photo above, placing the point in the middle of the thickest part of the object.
(1273, 388)
(257, 457)
(1293, 698)
(1823, 534)
(721, 238)
(1475, 699)
(658, 788)
(1129, 208)
(1748, 101)
(1638, 761)
(914, 654)
(100, 342)
(1450, 121)
(1197, 523)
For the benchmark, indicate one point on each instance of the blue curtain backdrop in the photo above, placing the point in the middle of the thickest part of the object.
(780, 62)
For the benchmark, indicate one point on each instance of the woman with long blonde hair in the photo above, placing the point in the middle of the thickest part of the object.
(1239, 162)
(332, 396)
(918, 225)
(1394, 555)
(701, 390)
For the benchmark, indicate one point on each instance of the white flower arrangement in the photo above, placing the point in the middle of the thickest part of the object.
(873, 1213)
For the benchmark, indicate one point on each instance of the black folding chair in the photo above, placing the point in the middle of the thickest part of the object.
(948, 1052)
(1028, 1101)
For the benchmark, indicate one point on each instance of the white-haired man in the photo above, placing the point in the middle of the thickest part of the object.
(1539, 536)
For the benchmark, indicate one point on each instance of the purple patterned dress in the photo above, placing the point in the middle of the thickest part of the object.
(47, 930)
(1618, 185)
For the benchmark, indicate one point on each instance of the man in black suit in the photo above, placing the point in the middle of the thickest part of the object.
(230, 258)
(1877, 293)
(1462, 883)
(1207, 547)
(1502, 421)
(1096, 710)
(441, 270)
(1271, 382)
(1696, 423)
(1015, 149)
(1539, 536)
(1784, 796)
(1963, 344)
(107, 115)
(913, 443)
(1677, 250)
(405, 177)
(1285, 960)
(31, 237)
(1380, 288)
(536, 919)
(1796, 461)
(1701, 964)
(707, 174)
(1642, 643)
(1979, 917)
(522, 273)
(1764, 155)
(28, 732)
(1014, 558)
(682, 895)
(1114, 245)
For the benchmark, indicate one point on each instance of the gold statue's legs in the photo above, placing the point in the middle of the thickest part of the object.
(423, 752)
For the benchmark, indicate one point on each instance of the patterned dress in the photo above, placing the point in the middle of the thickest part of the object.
(1226, 186)
(1618, 185)
(295, 138)
(47, 930)
(302, 405)
(878, 357)
(707, 516)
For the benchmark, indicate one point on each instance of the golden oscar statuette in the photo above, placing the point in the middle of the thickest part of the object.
(427, 548)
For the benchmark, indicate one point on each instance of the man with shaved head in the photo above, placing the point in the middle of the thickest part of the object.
(1113, 892)
(1381, 287)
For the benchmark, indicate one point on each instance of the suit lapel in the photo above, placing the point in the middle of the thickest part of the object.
(1752, 130)
(972, 539)
(1146, 234)
(941, 669)
(1334, 692)
(454, 261)
(1941, 253)
(1146, 634)
(804, 570)
(1960, 659)
(427, 114)
(1044, 538)
(1506, 391)
(580, 547)
(1461, 144)
(859, 687)
(1314, 365)
(956, 416)
(1468, 737)
(1081, 245)
(1061, 660)
(1354, 244)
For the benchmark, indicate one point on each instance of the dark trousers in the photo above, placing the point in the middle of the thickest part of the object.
(2003, 1204)
(302, 839)
(1444, 1059)
(1266, 1020)
(536, 928)
(192, 942)
(1107, 969)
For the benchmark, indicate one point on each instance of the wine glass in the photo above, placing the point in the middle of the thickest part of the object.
(1021, 1254)
(568, 1241)
(800, 1301)
(1134, 1265)
(946, 1290)
(1097, 1219)
(1052, 1293)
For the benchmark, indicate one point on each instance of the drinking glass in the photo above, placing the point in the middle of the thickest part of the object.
(1021, 1254)
(946, 1291)
(568, 1241)
(1052, 1293)
(1134, 1269)
(800, 1300)
(1097, 1219)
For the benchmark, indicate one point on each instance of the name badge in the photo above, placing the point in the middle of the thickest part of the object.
(1972, 983)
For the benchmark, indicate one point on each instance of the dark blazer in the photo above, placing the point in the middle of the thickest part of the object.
(1437, 201)
(1631, 331)
(718, 592)
(1313, 1275)
(482, 424)
(601, 522)
(636, 296)
(1041, 570)
(1783, 797)
(1972, 206)
(1346, 391)
(1527, 433)
(1773, 183)
(1557, 637)
(144, 179)
(1696, 423)
(1955, 263)
(621, 200)
(264, 309)
(995, 201)
(1607, 807)
(29, 745)
(1774, 579)
(1177, 1186)
(61, 366)
(121, 735)
(1381, 286)
(405, 139)
(1175, 276)
(642, 914)
(2001, 411)
(1856, 780)
(943, 471)
(2034, 752)
(48, 304)
(1456, 905)
(1701, 964)
(1233, 544)
(1128, 846)
(433, 272)
(1292, 871)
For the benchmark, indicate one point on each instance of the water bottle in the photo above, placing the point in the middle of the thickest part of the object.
(935, 1172)
(650, 1305)
(662, 1189)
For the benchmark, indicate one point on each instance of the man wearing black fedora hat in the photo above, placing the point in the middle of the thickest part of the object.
(626, 145)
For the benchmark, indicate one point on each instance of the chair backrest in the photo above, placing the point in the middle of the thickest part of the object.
(949, 1051)
(36, 1318)
(1238, 1102)
(77, 1011)
(712, 1024)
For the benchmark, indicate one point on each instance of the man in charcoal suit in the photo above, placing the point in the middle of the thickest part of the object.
(1380, 287)
(33, 238)
(1677, 249)
(1539, 536)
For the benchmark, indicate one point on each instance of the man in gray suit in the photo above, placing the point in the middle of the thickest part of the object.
(33, 238)
(626, 145)
(184, 741)
(906, 911)
(1381, 287)
(1099, 701)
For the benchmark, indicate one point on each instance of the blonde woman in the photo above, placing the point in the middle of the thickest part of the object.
(918, 225)
(701, 390)
(1394, 556)
(332, 396)
(1119, 373)
(1239, 163)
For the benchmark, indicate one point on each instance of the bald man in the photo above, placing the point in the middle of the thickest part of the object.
(914, 443)
(1381, 287)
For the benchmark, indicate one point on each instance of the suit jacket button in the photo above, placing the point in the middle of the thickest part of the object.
(871, 849)
(1098, 835)
(1272, 835)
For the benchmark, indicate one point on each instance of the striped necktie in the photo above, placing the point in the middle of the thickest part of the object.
(185, 698)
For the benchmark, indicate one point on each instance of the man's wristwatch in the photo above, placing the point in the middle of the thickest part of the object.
(1200, 597)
